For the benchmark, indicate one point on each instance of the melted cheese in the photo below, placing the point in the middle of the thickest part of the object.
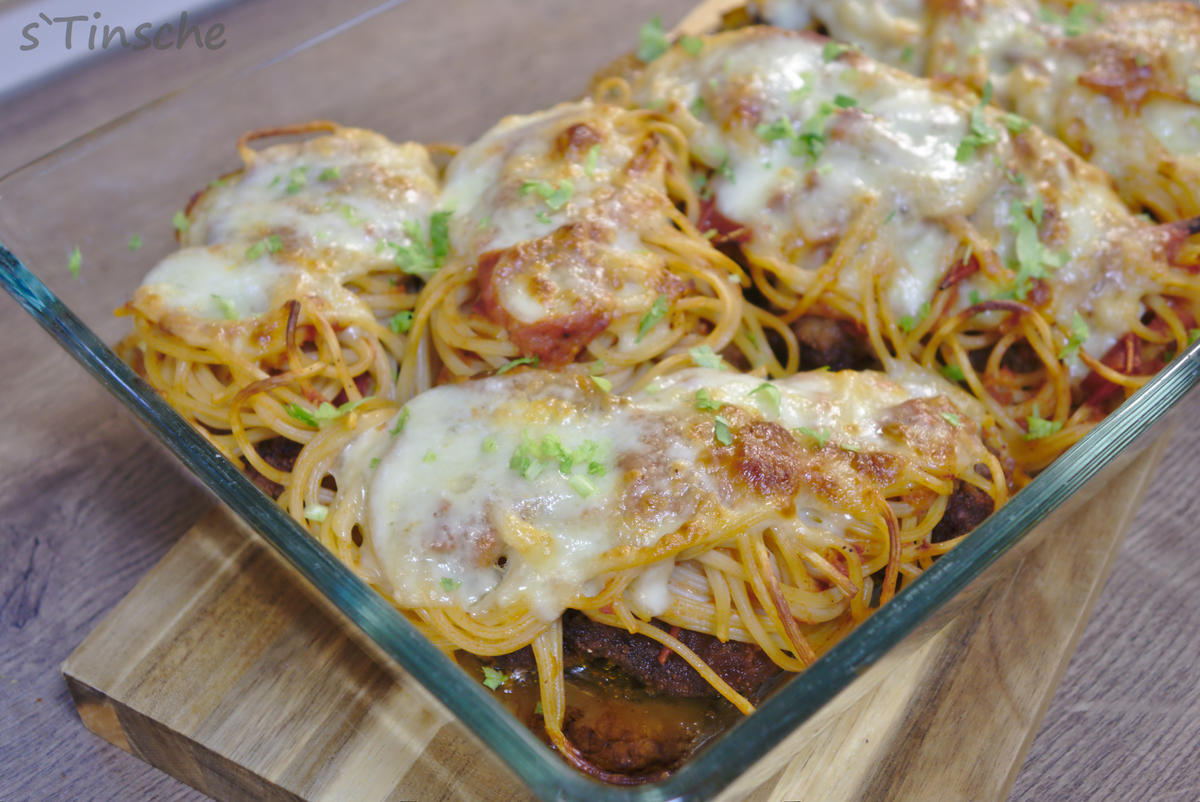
(454, 517)
(608, 203)
(1055, 73)
(201, 289)
(342, 198)
(891, 142)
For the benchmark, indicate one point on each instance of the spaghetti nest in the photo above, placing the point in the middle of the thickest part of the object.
(567, 247)
(286, 299)
(756, 527)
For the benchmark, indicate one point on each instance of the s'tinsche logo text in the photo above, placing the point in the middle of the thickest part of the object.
(142, 37)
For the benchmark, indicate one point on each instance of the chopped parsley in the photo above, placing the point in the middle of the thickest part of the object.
(429, 456)
(489, 445)
(1031, 259)
(833, 50)
(297, 180)
(1193, 88)
(424, 255)
(555, 197)
(75, 261)
(954, 373)
(603, 383)
(401, 322)
(323, 414)
(543, 217)
(271, 244)
(493, 678)
(1015, 122)
(1193, 335)
(697, 106)
(907, 322)
(227, 307)
(906, 54)
(704, 401)
(1079, 20)
(692, 45)
(135, 242)
(652, 41)
(375, 462)
(809, 140)
(821, 437)
(725, 171)
(581, 485)
(952, 419)
(1079, 335)
(180, 222)
(531, 457)
(1039, 427)
(979, 133)
(330, 174)
(450, 585)
(768, 396)
(589, 162)
(525, 360)
(721, 431)
(704, 356)
(657, 311)
(401, 421)
(316, 512)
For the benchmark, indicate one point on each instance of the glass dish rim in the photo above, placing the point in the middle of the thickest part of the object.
(727, 755)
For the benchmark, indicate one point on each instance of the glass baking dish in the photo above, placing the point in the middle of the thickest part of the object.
(398, 68)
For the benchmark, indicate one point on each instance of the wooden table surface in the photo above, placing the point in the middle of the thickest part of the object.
(88, 505)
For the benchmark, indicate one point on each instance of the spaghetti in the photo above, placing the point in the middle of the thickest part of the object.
(775, 513)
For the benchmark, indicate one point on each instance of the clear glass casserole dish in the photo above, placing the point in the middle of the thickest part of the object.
(138, 170)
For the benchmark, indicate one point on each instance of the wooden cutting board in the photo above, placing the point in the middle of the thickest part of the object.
(223, 669)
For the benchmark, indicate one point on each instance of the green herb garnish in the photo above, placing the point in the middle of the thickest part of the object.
(721, 431)
(401, 322)
(704, 356)
(1079, 335)
(493, 678)
(228, 310)
(821, 437)
(658, 310)
(1039, 427)
(652, 41)
(401, 421)
(525, 360)
(979, 133)
(75, 262)
(769, 397)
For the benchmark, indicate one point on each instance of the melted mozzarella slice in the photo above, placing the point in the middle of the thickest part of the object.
(806, 140)
(557, 207)
(529, 489)
(346, 198)
(203, 289)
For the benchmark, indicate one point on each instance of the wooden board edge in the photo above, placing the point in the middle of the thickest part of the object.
(203, 769)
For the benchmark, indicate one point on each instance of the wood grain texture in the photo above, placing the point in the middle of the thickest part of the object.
(221, 669)
(88, 504)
